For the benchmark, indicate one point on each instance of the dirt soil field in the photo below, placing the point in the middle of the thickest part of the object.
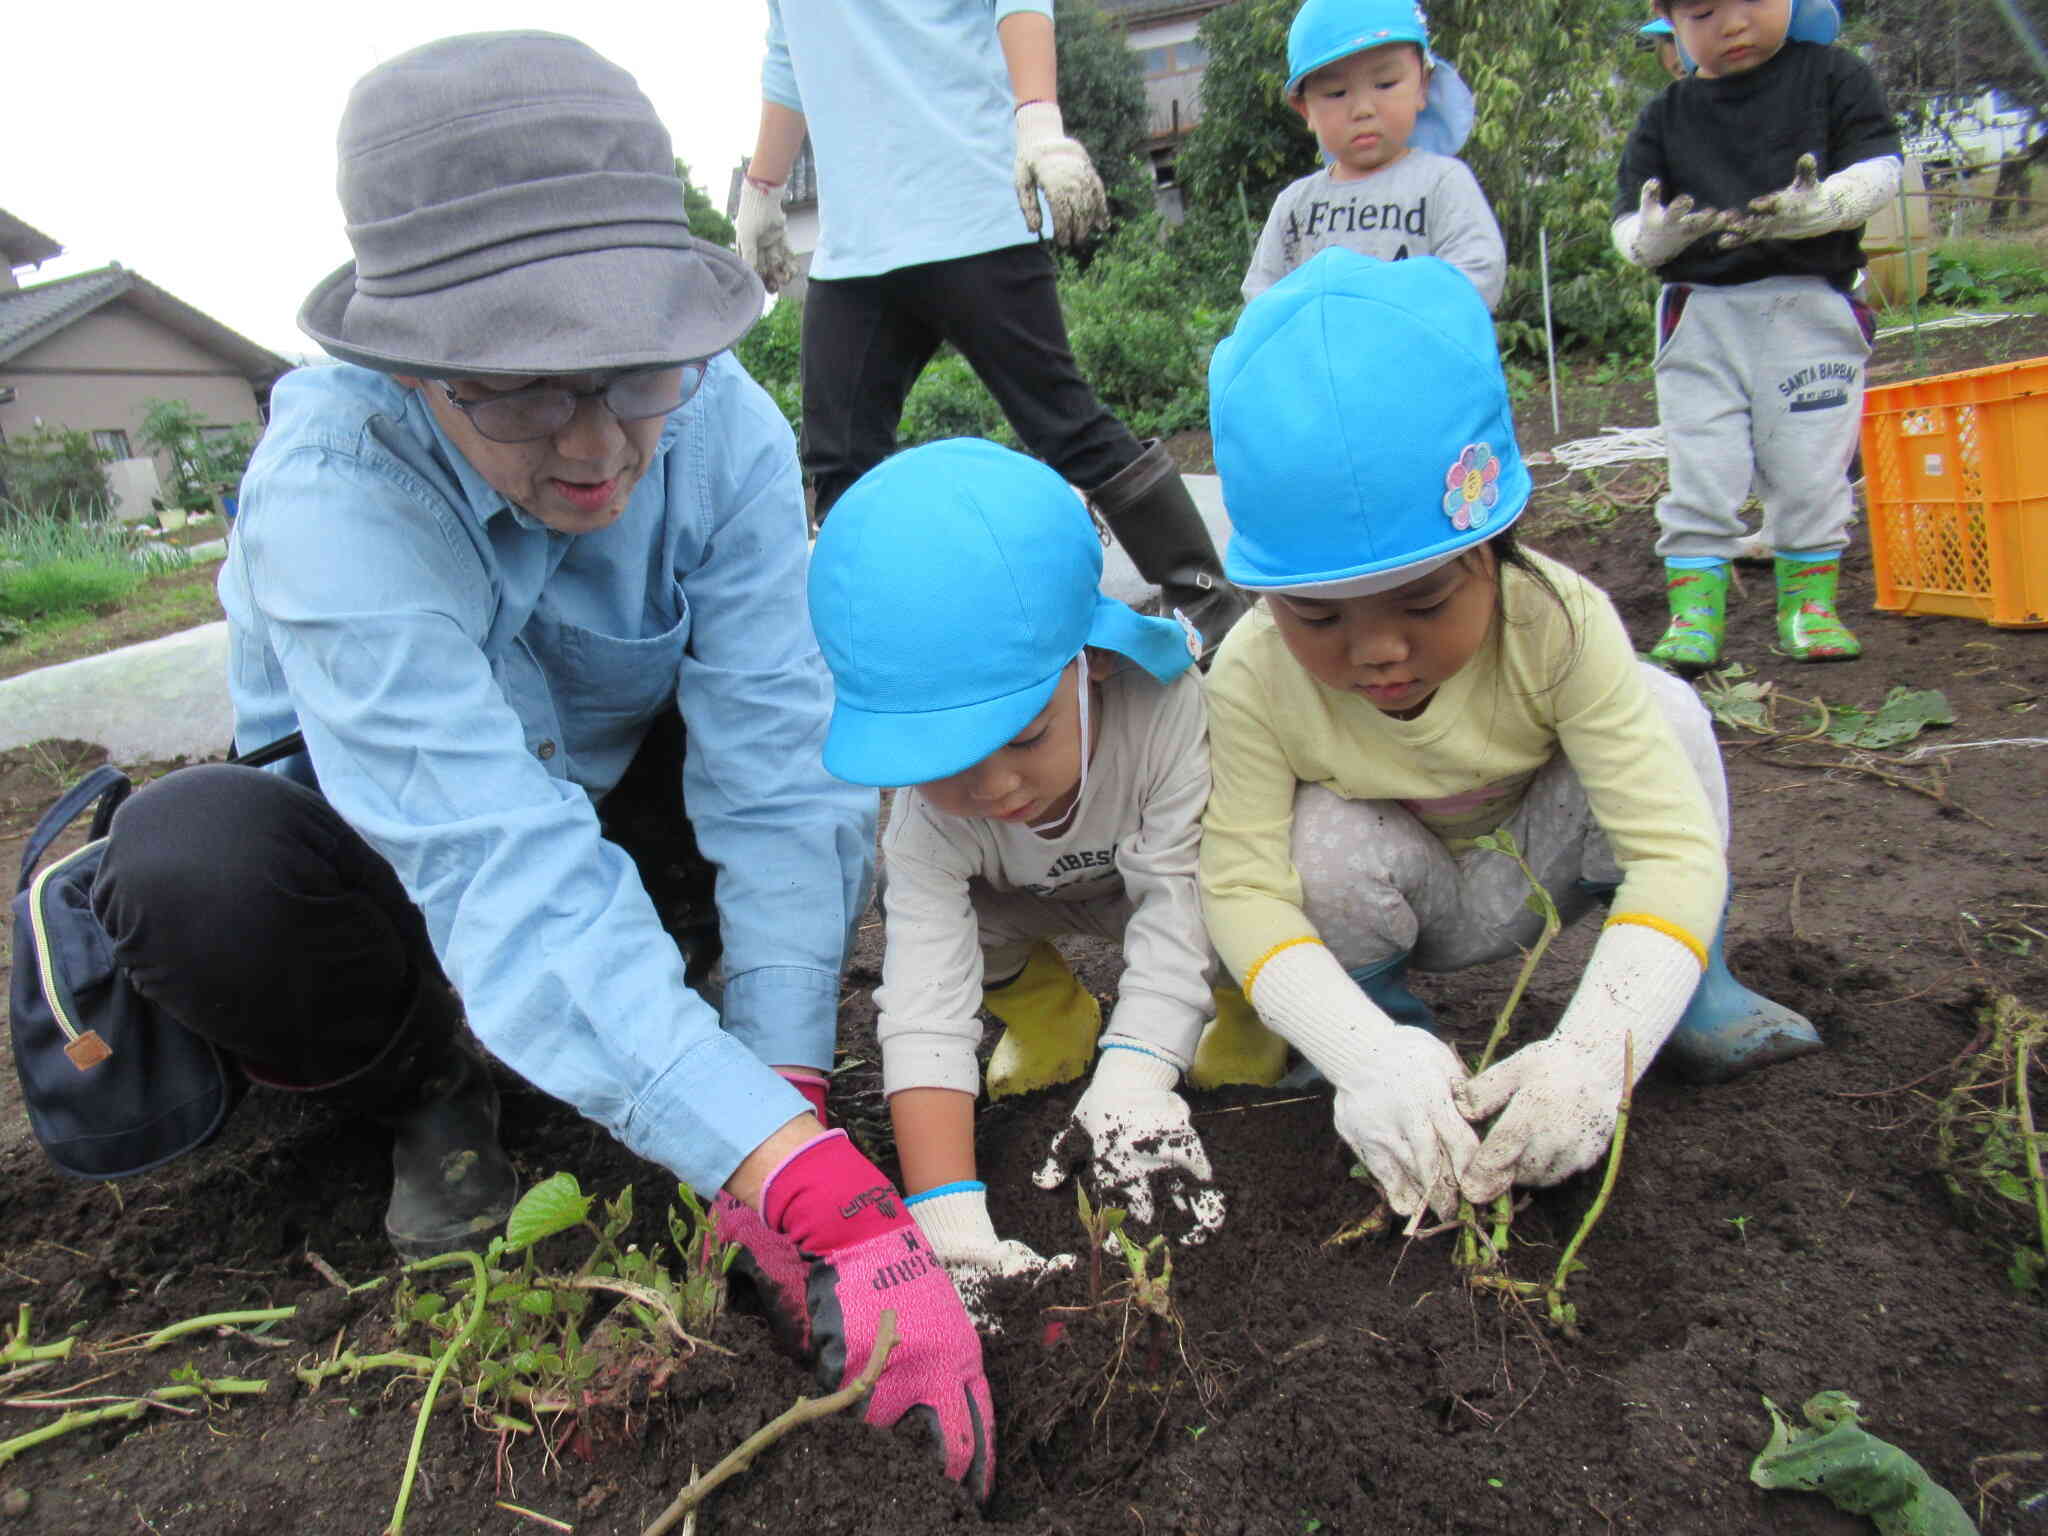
(1778, 1235)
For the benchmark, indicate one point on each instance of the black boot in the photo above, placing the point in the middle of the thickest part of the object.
(451, 1183)
(1149, 510)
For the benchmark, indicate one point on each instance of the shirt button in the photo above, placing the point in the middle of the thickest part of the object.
(545, 750)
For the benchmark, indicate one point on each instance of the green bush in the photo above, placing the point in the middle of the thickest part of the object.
(949, 401)
(53, 565)
(1975, 273)
(769, 353)
(55, 473)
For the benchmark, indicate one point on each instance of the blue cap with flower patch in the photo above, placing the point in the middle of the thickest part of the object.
(1361, 426)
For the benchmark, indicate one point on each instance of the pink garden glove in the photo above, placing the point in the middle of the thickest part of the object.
(866, 1256)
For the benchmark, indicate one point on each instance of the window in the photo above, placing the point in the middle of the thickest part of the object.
(1189, 56)
(1157, 62)
(114, 443)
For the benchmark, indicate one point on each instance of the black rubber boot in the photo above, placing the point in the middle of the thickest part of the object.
(451, 1183)
(1149, 510)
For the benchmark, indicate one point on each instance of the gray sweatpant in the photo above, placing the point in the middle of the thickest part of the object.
(1377, 883)
(1758, 381)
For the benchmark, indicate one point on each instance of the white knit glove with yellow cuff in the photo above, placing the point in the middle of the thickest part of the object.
(1395, 1104)
(1131, 1126)
(1562, 1093)
(1050, 162)
(1658, 231)
(1811, 207)
(954, 1219)
(762, 229)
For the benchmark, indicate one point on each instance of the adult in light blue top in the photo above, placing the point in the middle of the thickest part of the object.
(941, 155)
(910, 107)
(527, 573)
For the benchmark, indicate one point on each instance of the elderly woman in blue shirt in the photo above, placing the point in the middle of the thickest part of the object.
(534, 519)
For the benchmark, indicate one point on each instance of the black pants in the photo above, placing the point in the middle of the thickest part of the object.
(244, 906)
(866, 339)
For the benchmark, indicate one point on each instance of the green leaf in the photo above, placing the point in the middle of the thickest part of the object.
(553, 1205)
(2028, 1271)
(539, 1303)
(2013, 1187)
(428, 1307)
(1905, 713)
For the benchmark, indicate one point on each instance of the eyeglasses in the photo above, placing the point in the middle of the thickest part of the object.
(542, 410)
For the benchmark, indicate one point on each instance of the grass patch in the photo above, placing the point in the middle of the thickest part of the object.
(158, 605)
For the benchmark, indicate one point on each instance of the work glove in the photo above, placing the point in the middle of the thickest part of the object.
(866, 1256)
(1658, 231)
(956, 1222)
(1561, 1094)
(1810, 206)
(1394, 1107)
(1130, 1125)
(1050, 162)
(763, 231)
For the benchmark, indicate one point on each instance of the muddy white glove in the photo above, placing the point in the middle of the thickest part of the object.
(763, 230)
(1562, 1093)
(1133, 1126)
(1394, 1083)
(955, 1221)
(1658, 231)
(1811, 207)
(1050, 162)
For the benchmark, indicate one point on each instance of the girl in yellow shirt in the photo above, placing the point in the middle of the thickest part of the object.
(1416, 680)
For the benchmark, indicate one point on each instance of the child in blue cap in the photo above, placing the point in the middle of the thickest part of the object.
(1414, 680)
(1745, 186)
(1391, 118)
(1047, 745)
(1658, 34)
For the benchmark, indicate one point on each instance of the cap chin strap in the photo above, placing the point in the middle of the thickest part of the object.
(1061, 823)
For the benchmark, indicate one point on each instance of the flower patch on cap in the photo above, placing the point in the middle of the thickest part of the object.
(1472, 487)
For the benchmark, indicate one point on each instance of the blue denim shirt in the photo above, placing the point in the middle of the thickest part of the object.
(912, 123)
(470, 682)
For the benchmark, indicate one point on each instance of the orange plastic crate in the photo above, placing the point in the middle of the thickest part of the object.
(1956, 477)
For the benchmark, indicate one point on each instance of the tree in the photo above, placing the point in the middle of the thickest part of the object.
(1934, 57)
(1102, 103)
(706, 221)
(1555, 95)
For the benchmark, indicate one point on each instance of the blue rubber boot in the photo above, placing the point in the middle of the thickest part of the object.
(1727, 1030)
(1386, 983)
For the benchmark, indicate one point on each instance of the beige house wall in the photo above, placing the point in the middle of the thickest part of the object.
(95, 375)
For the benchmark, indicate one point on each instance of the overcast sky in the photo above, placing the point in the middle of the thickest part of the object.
(195, 145)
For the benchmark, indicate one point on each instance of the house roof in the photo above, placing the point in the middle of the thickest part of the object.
(36, 313)
(23, 244)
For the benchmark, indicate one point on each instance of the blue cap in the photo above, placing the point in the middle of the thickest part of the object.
(1361, 426)
(949, 589)
(1658, 28)
(1325, 31)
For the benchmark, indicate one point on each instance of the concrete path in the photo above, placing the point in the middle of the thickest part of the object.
(144, 703)
(168, 697)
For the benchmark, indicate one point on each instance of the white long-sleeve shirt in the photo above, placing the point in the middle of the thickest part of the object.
(1136, 832)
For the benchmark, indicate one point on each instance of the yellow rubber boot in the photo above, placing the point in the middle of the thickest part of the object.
(1050, 1024)
(1236, 1048)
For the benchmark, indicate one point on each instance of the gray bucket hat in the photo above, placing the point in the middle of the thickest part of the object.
(514, 209)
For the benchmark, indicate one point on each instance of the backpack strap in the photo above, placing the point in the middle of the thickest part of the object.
(103, 789)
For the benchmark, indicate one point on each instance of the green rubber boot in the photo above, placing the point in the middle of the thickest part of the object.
(1050, 1023)
(1236, 1048)
(1699, 617)
(1808, 627)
